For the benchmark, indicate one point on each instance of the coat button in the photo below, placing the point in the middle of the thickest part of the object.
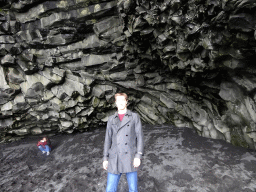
(126, 135)
(128, 125)
(125, 143)
(126, 152)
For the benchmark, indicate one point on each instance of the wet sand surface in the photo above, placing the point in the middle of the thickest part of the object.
(175, 160)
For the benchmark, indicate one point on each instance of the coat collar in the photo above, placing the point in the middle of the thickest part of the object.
(125, 120)
(128, 113)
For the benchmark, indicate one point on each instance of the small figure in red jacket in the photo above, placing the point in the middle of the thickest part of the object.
(44, 145)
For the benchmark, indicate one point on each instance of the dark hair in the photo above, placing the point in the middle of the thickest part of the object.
(47, 140)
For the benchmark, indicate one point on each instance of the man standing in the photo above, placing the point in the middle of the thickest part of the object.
(123, 146)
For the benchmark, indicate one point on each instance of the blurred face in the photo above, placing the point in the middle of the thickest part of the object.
(121, 102)
(44, 139)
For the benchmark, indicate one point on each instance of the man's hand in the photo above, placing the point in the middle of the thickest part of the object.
(136, 162)
(105, 165)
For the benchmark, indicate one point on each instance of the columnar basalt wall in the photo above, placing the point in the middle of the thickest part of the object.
(187, 63)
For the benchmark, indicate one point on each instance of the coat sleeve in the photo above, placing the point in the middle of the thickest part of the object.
(108, 140)
(140, 137)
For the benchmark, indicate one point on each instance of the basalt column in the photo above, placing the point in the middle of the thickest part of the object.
(187, 63)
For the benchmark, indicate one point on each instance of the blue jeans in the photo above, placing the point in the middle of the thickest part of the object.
(46, 149)
(113, 180)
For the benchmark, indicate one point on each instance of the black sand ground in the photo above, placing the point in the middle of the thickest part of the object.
(176, 159)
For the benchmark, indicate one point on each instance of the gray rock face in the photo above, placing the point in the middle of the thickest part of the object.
(190, 64)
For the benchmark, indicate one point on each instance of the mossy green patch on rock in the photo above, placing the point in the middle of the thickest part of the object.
(237, 138)
(95, 102)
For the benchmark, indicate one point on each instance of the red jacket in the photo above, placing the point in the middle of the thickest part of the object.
(44, 143)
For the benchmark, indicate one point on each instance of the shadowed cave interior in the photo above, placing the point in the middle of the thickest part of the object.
(182, 63)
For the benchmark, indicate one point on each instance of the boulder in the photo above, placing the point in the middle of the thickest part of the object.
(15, 76)
(243, 21)
(166, 99)
(55, 75)
(107, 26)
(65, 125)
(101, 90)
(66, 90)
(20, 132)
(230, 92)
(36, 131)
(90, 60)
(7, 39)
(7, 60)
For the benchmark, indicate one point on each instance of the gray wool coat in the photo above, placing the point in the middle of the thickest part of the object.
(123, 142)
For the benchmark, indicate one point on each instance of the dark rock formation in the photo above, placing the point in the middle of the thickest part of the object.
(187, 63)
